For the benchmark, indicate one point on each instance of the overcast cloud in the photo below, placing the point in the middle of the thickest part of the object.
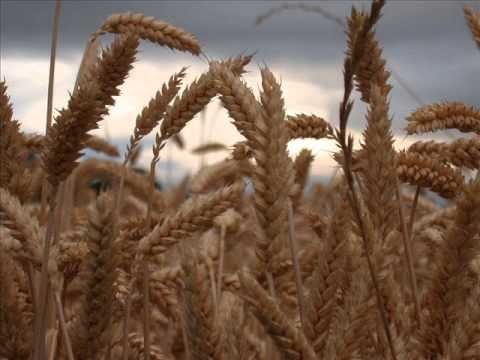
(426, 42)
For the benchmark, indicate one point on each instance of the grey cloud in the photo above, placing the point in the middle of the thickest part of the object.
(427, 42)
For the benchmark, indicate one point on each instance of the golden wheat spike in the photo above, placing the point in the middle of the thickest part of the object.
(149, 28)
(473, 21)
(444, 115)
(428, 172)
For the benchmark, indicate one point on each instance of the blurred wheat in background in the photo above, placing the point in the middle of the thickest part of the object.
(99, 259)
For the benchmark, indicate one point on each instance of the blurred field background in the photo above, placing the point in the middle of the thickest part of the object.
(425, 42)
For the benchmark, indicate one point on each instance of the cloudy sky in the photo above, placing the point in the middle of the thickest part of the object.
(426, 42)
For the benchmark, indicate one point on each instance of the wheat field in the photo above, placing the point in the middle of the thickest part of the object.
(241, 260)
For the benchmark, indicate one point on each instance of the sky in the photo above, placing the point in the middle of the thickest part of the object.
(425, 42)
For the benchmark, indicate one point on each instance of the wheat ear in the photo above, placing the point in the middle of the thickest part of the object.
(357, 37)
(329, 278)
(151, 114)
(202, 331)
(15, 332)
(444, 115)
(302, 126)
(113, 66)
(151, 29)
(290, 341)
(428, 172)
(302, 165)
(264, 127)
(67, 136)
(462, 152)
(11, 144)
(473, 21)
(371, 65)
(453, 281)
(184, 108)
(63, 143)
(100, 274)
(380, 160)
(193, 215)
(22, 228)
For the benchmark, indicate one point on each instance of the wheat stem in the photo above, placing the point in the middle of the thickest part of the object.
(408, 256)
(223, 231)
(146, 309)
(40, 316)
(63, 327)
(412, 211)
(51, 76)
(296, 265)
(125, 326)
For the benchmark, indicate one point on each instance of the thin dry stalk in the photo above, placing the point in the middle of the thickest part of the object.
(146, 309)
(411, 220)
(221, 260)
(296, 266)
(406, 237)
(51, 76)
(63, 327)
(209, 147)
(44, 287)
(126, 326)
